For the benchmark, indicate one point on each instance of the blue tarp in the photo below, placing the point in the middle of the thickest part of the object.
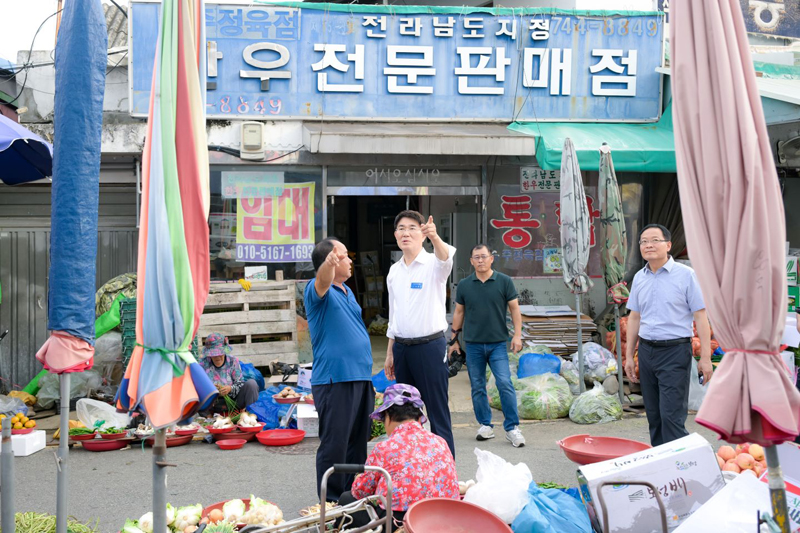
(78, 118)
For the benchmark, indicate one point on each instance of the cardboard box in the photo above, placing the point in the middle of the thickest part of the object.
(308, 419)
(25, 445)
(684, 471)
(304, 376)
(794, 296)
(792, 269)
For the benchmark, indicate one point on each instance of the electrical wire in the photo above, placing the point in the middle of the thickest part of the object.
(238, 153)
(30, 51)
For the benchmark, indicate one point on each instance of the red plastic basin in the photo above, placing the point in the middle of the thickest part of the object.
(231, 444)
(280, 437)
(443, 515)
(586, 449)
(100, 445)
(252, 429)
(113, 436)
(220, 431)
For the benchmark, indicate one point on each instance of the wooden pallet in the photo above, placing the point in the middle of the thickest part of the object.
(261, 324)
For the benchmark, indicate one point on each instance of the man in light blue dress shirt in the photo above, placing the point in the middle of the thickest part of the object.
(665, 298)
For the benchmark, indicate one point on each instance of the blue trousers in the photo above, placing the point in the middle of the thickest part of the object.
(496, 356)
(424, 366)
(664, 375)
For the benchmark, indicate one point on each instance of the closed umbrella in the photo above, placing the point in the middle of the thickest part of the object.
(615, 245)
(80, 64)
(735, 227)
(574, 237)
(24, 156)
(163, 379)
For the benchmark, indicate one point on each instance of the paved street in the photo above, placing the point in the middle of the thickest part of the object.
(114, 485)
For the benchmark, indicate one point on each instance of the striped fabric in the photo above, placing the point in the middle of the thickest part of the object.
(163, 379)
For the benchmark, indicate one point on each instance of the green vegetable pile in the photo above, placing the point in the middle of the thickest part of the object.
(551, 485)
(595, 407)
(81, 431)
(548, 397)
(45, 523)
(378, 428)
(107, 431)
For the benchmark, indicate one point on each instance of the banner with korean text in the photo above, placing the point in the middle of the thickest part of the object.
(276, 228)
(376, 62)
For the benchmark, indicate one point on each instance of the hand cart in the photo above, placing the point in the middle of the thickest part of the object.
(338, 519)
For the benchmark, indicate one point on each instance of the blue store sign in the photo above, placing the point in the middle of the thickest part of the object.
(278, 62)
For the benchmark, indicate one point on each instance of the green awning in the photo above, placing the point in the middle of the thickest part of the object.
(634, 147)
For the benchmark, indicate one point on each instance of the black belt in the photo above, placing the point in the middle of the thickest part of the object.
(419, 340)
(670, 342)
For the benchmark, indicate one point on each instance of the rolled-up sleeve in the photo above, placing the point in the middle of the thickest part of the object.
(443, 268)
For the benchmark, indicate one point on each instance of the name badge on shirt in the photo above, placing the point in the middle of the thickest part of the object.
(416, 285)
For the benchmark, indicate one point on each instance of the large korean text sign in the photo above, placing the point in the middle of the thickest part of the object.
(281, 62)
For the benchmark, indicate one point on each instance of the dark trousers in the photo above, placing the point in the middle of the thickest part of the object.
(247, 394)
(361, 518)
(664, 375)
(344, 429)
(424, 366)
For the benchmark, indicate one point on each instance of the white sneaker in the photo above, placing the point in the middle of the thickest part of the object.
(515, 437)
(485, 433)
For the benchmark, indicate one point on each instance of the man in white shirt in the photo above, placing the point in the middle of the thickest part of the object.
(417, 353)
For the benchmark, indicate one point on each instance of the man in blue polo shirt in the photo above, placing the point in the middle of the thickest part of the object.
(341, 380)
(665, 298)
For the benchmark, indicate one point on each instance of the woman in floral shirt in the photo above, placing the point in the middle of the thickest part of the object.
(419, 462)
(225, 371)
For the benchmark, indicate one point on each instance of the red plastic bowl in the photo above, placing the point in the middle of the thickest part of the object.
(231, 444)
(113, 436)
(285, 400)
(586, 449)
(23, 431)
(309, 402)
(280, 437)
(184, 432)
(100, 445)
(220, 431)
(236, 434)
(87, 436)
(172, 441)
(254, 429)
(444, 515)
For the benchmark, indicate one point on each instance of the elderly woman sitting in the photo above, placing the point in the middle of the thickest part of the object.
(419, 462)
(226, 373)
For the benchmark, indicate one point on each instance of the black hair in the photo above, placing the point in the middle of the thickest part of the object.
(322, 250)
(408, 213)
(401, 413)
(479, 246)
(664, 231)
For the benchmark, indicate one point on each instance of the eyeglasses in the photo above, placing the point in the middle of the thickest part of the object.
(410, 229)
(656, 242)
(480, 257)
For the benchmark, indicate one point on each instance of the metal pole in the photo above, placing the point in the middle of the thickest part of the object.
(160, 481)
(580, 340)
(7, 481)
(619, 353)
(777, 489)
(63, 453)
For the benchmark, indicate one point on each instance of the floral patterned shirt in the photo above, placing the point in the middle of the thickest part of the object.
(419, 462)
(230, 373)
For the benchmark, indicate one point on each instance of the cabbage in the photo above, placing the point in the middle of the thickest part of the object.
(547, 397)
(233, 510)
(189, 515)
(595, 407)
(131, 526)
(170, 514)
(494, 394)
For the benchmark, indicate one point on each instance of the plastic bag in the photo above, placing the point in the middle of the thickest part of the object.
(547, 397)
(10, 406)
(513, 358)
(569, 371)
(551, 511)
(267, 410)
(696, 391)
(494, 393)
(594, 355)
(595, 407)
(501, 487)
(80, 385)
(93, 413)
(378, 326)
(108, 348)
(380, 382)
(532, 364)
(249, 371)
